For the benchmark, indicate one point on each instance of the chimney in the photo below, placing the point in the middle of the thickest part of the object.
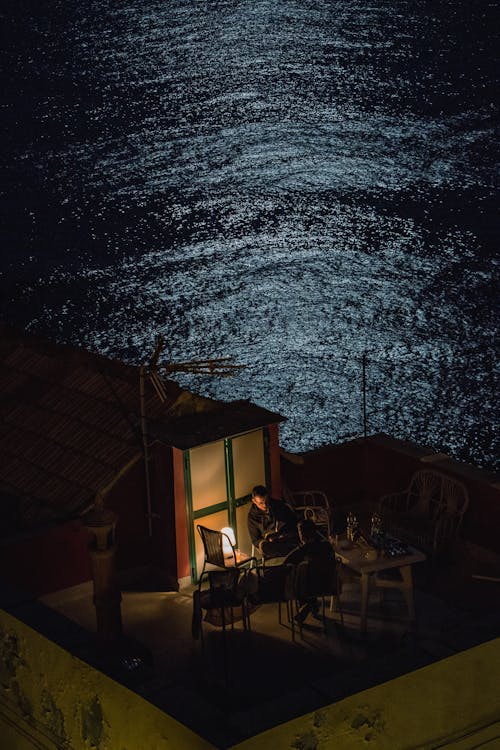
(100, 524)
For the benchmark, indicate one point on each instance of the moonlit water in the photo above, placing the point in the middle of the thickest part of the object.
(290, 183)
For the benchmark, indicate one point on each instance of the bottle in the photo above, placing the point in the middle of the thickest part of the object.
(349, 527)
(355, 528)
(352, 527)
(376, 525)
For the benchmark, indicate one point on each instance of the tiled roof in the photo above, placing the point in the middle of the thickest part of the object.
(223, 421)
(69, 424)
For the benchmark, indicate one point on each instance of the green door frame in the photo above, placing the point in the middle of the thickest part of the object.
(230, 503)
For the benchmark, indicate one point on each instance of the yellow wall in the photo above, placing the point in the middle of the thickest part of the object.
(452, 703)
(52, 697)
(49, 696)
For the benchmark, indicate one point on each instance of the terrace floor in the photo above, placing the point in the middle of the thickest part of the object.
(273, 680)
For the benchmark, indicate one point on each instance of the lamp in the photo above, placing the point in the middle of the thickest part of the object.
(228, 540)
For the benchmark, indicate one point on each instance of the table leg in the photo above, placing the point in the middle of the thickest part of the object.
(407, 588)
(364, 601)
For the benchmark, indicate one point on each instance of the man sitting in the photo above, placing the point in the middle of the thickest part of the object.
(272, 524)
(319, 555)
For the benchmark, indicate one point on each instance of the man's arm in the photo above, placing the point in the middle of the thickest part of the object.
(285, 516)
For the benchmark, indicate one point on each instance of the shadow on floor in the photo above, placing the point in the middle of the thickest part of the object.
(272, 680)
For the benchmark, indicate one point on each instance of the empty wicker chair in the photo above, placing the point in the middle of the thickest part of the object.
(428, 512)
(213, 547)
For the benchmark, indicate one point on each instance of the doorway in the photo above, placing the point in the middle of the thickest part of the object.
(219, 477)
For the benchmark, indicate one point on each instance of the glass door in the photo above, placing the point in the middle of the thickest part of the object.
(219, 477)
(250, 466)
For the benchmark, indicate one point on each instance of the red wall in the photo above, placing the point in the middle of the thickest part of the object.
(48, 561)
(275, 460)
(128, 500)
(57, 558)
(363, 470)
(482, 519)
(164, 531)
(181, 527)
(334, 470)
(136, 548)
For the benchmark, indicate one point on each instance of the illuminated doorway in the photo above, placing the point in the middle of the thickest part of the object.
(219, 477)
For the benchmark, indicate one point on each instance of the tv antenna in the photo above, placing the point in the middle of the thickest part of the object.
(222, 367)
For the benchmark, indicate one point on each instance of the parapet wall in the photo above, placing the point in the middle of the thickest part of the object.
(51, 699)
(362, 470)
(450, 704)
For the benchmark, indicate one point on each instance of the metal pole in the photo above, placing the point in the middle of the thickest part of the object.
(145, 447)
(364, 394)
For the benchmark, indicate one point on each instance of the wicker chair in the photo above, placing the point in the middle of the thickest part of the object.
(213, 547)
(429, 512)
(313, 504)
(312, 580)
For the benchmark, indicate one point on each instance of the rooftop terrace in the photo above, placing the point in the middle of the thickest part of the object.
(273, 680)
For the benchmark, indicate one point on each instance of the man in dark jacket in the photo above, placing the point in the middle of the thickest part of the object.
(319, 554)
(272, 524)
(313, 547)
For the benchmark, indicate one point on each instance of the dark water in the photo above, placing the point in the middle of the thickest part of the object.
(291, 183)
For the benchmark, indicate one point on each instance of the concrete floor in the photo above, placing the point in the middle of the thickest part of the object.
(271, 679)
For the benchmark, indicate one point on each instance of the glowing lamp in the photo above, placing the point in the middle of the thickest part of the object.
(228, 540)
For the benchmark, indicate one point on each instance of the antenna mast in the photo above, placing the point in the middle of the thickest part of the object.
(222, 366)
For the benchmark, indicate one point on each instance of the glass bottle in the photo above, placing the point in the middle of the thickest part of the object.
(352, 527)
(376, 525)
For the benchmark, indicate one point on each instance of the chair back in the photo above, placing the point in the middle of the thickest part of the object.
(455, 498)
(276, 584)
(315, 579)
(212, 546)
(424, 494)
(434, 493)
(313, 504)
(319, 516)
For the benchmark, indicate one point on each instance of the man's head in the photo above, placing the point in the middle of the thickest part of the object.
(260, 496)
(307, 531)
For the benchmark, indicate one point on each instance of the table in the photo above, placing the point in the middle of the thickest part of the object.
(355, 559)
(240, 557)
